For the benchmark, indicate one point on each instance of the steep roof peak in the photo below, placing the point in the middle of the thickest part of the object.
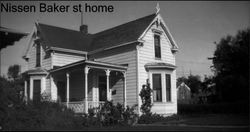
(72, 39)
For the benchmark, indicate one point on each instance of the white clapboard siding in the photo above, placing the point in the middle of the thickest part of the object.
(32, 58)
(129, 58)
(119, 96)
(45, 62)
(48, 84)
(147, 55)
(61, 59)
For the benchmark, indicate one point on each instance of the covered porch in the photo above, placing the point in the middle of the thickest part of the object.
(88, 84)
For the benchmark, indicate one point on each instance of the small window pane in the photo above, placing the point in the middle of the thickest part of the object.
(157, 94)
(157, 46)
(168, 87)
(38, 55)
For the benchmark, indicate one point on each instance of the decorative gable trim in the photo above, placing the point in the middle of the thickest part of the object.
(31, 39)
(157, 31)
(160, 20)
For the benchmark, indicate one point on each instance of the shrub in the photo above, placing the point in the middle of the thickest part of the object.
(40, 116)
(15, 114)
(151, 118)
(145, 95)
(110, 115)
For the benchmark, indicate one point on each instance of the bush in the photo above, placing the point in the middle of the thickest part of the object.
(145, 95)
(110, 115)
(40, 116)
(151, 118)
(15, 114)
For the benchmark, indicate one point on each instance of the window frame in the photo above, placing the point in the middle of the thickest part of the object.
(157, 46)
(38, 55)
(168, 87)
(161, 99)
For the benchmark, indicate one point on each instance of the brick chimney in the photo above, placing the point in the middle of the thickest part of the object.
(84, 29)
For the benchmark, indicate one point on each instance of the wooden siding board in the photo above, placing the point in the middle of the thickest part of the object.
(32, 59)
(146, 55)
(61, 59)
(128, 57)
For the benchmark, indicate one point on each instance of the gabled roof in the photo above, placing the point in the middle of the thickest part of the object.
(183, 85)
(64, 38)
(127, 33)
(121, 34)
(71, 39)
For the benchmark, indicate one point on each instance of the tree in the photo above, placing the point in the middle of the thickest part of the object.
(231, 66)
(14, 71)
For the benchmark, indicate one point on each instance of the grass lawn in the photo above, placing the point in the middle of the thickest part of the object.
(232, 122)
(212, 119)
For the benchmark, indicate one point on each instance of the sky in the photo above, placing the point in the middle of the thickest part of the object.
(194, 25)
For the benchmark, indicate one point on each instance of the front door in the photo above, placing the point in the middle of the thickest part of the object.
(37, 90)
(61, 91)
(102, 85)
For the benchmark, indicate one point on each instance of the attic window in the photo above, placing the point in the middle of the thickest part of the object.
(38, 55)
(157, 45)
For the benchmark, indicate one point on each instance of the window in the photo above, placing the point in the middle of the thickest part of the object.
(157, 43)
(36, 90)
(38, 55)
(168, 88)
(157, 87)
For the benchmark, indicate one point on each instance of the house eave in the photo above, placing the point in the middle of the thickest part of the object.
(160, 66)
(66, 50)
(112, 47)
(93, 64)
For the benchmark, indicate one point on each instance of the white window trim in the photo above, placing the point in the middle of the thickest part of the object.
(154, 34)
(163, 83)
(43, 85)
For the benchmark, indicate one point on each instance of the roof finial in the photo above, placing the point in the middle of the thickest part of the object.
(157, 8)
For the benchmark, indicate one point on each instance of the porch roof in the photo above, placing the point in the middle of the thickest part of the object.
(157, 65)
(93, 64)
(36, 71)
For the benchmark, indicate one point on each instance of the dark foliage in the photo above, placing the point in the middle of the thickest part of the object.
(15, 114)
(14, 71)
(218, 108)
(231, 66)
(111, 115)
(145, 95)
(152, 118)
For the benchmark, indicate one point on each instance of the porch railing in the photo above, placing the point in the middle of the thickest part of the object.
(79, 106)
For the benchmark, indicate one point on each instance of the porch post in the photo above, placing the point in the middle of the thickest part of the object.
(67, 98)
(86, 71)
(108, 93)
(31, 88)
(25, 91)
(124, 90)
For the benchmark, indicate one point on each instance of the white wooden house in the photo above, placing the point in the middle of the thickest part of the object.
(184, 94)
(83, 70)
